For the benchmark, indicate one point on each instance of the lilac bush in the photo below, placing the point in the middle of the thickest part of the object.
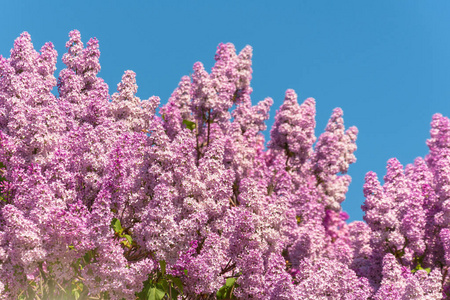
(110, 197)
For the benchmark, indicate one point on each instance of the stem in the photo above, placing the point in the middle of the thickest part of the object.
(223, 272)
(228, 269)
(231, 292)
(62, 289)
(46, 280)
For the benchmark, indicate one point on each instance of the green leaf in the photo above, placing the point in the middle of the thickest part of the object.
(185, 272)
(155, 293)
(76, 294)
(129, 238)
(230, 281)
(77, 287)
(189, 124)
(225, 291)
(115, 224)
(222, 292)
(163, 284)
(177, 281)
(71, 247)
(143, 294)
(162, 264)
(151, 292)
(175, 294)
(126, 244)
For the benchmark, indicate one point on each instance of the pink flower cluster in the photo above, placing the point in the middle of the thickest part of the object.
(101, 197)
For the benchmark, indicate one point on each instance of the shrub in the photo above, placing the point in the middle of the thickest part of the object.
(101, 197)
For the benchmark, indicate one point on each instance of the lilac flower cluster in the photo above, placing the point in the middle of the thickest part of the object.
(101, 197)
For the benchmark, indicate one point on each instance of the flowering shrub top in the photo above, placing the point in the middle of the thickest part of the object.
(102, 197)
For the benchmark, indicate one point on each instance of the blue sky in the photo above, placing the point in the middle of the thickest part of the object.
(385, 63)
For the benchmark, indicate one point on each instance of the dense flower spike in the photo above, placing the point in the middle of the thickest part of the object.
(102, 199)
(294, 128)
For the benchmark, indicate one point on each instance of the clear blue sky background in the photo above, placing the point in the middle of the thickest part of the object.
(385, 63)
